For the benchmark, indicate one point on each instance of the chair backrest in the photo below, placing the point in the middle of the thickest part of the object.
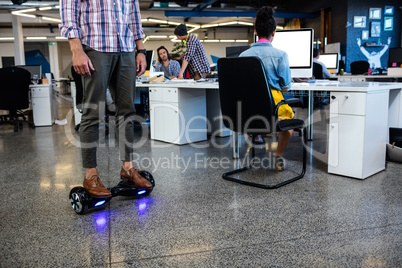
(14, 88)
(317, 71)
(246, 100)
(359, 67)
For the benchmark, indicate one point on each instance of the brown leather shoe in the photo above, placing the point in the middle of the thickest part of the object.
(279, 164)
(95, 187)
(135, 177)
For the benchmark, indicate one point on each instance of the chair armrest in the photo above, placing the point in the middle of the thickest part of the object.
(288, 101)
(291, 101)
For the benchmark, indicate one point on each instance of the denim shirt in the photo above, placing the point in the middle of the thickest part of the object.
(276, 64)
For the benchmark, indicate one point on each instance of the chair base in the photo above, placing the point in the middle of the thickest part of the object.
(13, 120)
(226, 176)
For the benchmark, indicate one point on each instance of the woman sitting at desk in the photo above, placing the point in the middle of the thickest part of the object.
(277, 68)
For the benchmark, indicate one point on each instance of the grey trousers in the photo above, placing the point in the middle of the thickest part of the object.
(116, 70)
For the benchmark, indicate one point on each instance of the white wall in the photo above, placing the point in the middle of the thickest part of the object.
(6, 50)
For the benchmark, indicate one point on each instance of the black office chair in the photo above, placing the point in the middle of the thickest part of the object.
(359, 67)
(14, 96)
(247, 103)
(317, 71)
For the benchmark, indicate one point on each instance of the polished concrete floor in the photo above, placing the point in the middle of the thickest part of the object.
(193, 218)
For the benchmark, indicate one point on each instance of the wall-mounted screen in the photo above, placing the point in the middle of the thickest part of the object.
(298, 44)
(35, 70)
(330, 60)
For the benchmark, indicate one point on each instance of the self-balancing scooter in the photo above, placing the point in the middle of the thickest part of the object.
(81, 200)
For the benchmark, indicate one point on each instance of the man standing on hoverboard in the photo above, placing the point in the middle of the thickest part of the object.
(103, 36)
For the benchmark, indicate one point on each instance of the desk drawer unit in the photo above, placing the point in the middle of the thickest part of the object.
(41, 92)
(348, 103)
(178, 115)
(357, 133)
(164, 94)
(171, 95)
(44, 105)
(156, 94)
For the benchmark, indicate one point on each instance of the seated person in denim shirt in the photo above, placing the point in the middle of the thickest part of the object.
(276, 64)
(165, 64)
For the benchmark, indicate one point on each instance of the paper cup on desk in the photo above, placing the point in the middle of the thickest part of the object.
(48, 77)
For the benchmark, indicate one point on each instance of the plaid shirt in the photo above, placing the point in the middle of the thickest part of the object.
(196, 57)
(174, 67)
(105, 26)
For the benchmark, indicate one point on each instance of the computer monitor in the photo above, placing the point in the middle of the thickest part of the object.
(35, 70)
(150, 58)
(232, 52)
(298, 44)
(395, 57)
(330, 60)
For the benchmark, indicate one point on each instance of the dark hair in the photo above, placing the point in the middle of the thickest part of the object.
(157, 51)
(265, 23)
(316, 52)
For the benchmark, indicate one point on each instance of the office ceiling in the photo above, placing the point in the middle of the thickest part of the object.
(167, 4)
(188, 11)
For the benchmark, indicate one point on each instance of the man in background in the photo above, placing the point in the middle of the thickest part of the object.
(316, 56)
(194, 57)
(171, 68)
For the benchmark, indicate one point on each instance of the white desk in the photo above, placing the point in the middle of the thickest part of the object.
(360, 116)
(44, 104)
(185, 112)
(368, 78)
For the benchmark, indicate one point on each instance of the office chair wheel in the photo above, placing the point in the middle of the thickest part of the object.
(79, 200)
(147, 175)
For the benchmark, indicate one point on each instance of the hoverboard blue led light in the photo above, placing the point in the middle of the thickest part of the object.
(100, 203)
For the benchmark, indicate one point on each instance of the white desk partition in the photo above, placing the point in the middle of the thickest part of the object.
(360, 116)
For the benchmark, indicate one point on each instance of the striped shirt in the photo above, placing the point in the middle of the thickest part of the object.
(104, 25)
(196, 57)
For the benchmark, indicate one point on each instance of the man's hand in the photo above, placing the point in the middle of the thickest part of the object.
(359, 42)
(389, 40)
(183, 68)
(81, 62)
(141, 63)
(140, 59)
